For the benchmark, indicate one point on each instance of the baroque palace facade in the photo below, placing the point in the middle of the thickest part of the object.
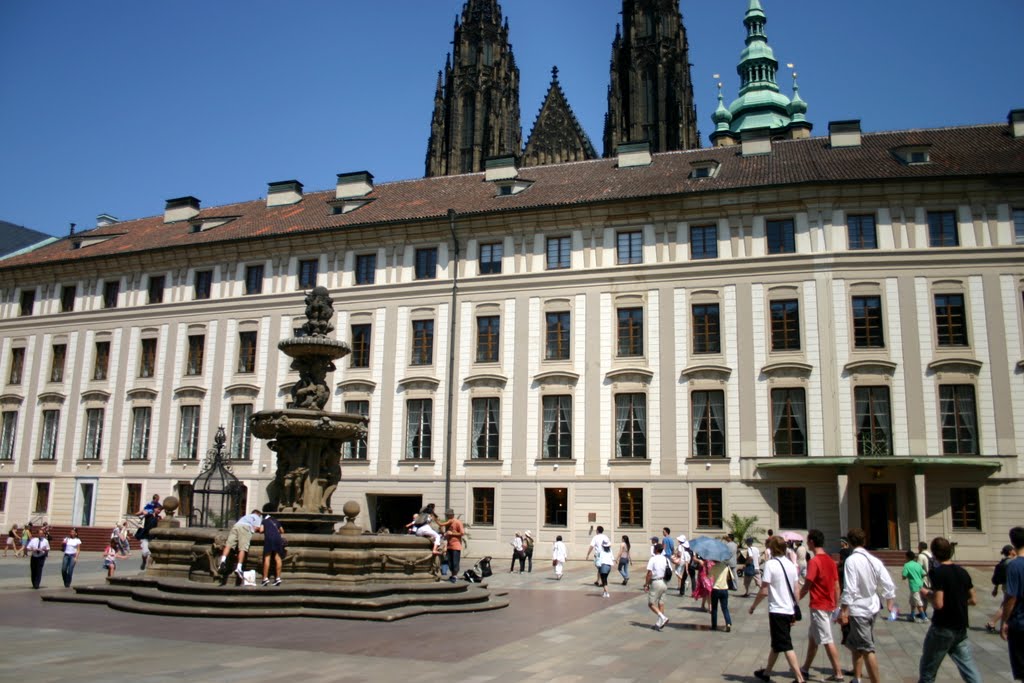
(820, 331)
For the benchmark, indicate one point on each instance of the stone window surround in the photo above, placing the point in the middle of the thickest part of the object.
(950, 286)
(867, 288)
(784, 292)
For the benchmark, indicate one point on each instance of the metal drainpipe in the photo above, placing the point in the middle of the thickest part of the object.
(451, 365)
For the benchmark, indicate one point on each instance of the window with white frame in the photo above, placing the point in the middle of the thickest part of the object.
(557, 438)
(490, 258)
(630, 332)
(874, 420)
(308, 269)
(631, 426)
(356, 450)
(247, 351)
(102, 363)
(141, 416)
(559, 252)
(8, 434)
(48, 443)
(419, 428)
(196, 352)
(1018, 226)
(241, 439)
(958, 418)
(188, 433)
(630, 248)
(485, 442)
(789, 421)
(707, 411)
(422, 342)
(92, 444)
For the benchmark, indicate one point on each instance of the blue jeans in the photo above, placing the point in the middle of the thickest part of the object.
(67, 569)
(624, 568)
(941, 642)
(720, 597)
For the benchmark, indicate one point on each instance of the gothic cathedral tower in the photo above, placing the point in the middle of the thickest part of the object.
(651, 96)
(476, 108)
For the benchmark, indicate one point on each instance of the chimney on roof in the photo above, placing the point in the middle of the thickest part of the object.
(284, 192)
(354, 185)
(500, 168)
(181, 209)
(756, 142)
(1017, 123)
(844, 133)
(105, 219)
(633, 154)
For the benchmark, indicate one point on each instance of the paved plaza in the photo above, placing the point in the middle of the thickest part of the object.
(553, 631)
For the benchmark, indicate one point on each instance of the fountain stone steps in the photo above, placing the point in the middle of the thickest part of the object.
(377, 602)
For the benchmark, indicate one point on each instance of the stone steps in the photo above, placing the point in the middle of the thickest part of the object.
(377, 602)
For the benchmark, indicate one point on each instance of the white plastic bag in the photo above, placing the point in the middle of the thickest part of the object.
(249, 578)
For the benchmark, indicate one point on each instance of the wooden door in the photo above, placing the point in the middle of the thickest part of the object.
(878, 515)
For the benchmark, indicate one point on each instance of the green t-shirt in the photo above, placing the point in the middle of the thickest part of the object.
(914, 573)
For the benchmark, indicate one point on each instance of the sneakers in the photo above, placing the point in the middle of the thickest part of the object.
(660, 623)
(265, 582)
(835, 679)
(761, 675)
(605, 594)
(728, 628)
(277, 581)
(239, 573)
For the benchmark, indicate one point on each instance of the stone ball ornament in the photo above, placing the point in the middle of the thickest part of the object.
(170, 504)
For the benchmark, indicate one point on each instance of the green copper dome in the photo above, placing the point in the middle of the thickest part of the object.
(760, 104)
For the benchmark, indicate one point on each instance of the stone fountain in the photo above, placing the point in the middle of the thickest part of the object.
(307, 439)
(344, 573)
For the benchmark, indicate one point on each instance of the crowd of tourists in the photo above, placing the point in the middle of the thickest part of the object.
(846, 596)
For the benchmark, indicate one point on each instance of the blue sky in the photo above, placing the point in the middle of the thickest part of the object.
(113, 106)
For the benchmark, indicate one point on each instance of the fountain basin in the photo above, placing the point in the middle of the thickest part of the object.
(314, 347)
(273, 424)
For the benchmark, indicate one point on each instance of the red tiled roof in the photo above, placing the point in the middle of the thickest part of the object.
(972, 151)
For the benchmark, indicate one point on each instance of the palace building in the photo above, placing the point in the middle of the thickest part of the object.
(820, 331)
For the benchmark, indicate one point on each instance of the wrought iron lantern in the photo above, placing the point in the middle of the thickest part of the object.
(218, 497)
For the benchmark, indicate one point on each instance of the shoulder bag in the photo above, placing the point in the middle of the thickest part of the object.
(797, 614)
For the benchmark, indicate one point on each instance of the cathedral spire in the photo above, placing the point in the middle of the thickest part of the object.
(478, 115)
(760, 103)
(650, 95)
(557, 135)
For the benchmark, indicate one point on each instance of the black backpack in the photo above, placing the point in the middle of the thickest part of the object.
(485, 567)
(471, 576)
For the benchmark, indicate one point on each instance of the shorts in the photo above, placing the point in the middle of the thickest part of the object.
(10, 542)
(107, 564)
(779, 626)
(240, 536)
(1015, 642)
(820, 628)
(862, 634)
(656, 593)
(916, 601)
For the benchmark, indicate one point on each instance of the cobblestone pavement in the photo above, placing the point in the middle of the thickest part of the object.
(554, 631)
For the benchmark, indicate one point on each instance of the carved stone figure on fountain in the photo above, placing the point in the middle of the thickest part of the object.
(319, 311)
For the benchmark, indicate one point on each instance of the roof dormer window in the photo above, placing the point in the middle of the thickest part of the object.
(704, 169)
(914, 155)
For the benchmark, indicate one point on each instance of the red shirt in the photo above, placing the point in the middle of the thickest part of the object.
(822, 576)
(455, 527)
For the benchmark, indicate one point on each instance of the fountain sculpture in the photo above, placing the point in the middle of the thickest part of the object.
(307, 439)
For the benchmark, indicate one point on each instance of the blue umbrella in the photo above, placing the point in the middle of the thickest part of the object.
(711, 549)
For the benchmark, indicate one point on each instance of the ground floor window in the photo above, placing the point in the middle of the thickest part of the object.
(134, 499)
(965, 507)
(631, 507)
(793, 508)
(709, 508)
(483, 506)
(42, 497)
(556, 507)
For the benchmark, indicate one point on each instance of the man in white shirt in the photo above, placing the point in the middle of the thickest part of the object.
(596, 542)
(778, 584)
(864, 575)
(37, 548)
(655, 585)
